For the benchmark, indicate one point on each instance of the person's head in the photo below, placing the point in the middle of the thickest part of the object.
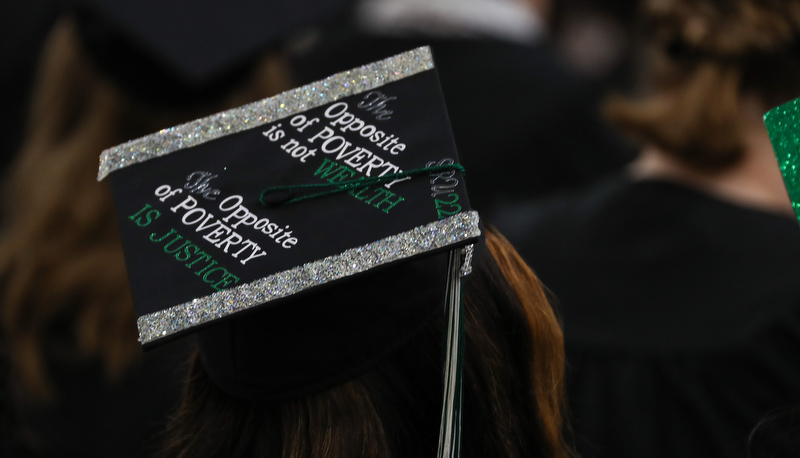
(777, 435)
(513, 387)
(61, 263)
(707, 58)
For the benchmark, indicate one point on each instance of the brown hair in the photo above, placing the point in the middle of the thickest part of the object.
(704, 56)
(513, 389)
(61, 265)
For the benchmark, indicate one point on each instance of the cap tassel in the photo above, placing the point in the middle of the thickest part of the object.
(281, 195)
(459, 266)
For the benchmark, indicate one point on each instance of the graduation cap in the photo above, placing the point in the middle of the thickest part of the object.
(330, 221)
(783, 126)
(181, 48)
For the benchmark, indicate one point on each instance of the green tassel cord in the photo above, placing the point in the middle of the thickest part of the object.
(286, 194)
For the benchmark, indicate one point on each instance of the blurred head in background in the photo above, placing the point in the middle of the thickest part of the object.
(60, 259)
(708, 62)
(67, 320)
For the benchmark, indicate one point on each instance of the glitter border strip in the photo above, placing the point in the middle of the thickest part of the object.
(783, 125)
(422, 239)
(298, 100)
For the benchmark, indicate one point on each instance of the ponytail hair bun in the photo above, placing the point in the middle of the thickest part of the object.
(705, 55)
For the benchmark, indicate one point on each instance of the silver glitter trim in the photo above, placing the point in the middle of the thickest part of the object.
(283, 105)
(433, 236)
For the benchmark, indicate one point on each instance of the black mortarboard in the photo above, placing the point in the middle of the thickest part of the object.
(190, 45)
(320, 210)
